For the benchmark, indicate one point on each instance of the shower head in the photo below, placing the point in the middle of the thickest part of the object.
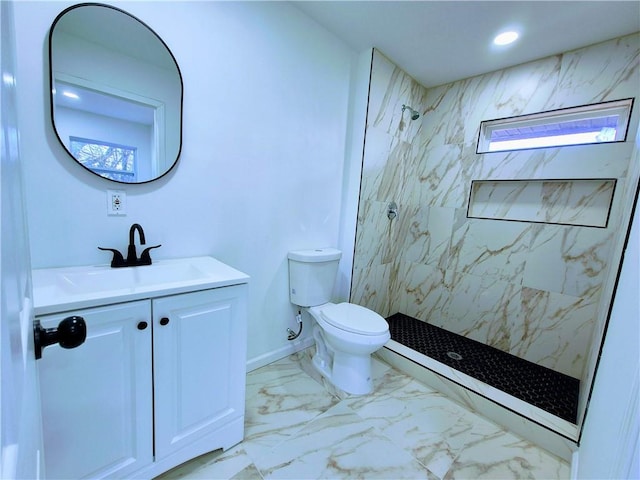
(414, 114)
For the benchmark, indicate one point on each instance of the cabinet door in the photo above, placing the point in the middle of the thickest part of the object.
(199, 365)
(96, 399)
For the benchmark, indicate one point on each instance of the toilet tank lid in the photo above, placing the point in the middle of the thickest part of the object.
(315, 255)
(354, 318)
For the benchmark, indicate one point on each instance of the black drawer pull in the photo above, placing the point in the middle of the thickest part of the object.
(142, 325)
(164, 321)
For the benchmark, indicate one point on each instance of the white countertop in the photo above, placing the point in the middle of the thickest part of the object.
(69, 288)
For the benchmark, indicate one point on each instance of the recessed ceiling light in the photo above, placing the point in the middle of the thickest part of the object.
(7, 78)
(69, 94)
(505, 38)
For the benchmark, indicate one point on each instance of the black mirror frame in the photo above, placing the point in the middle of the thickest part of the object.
(51, 88)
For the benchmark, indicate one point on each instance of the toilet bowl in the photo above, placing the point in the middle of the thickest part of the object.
(346, 335)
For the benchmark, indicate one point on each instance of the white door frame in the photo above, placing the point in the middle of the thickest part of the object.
(20, 418)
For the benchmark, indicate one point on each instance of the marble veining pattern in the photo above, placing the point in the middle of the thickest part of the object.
(576, 203)
(552, 328)
(566, 202)
(564, 260)
(297, 429)
(532, 289)
(599, 75)
(389, 90)
(477, 250)
(424, 296)
(482, 308)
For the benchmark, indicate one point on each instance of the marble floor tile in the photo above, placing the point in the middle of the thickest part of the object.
(502, 455)
(281, 399)
(340, 444)
(425, 423)
(234, 463)
(298, 427)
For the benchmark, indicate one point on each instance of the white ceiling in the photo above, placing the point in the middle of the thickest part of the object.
(438, 42)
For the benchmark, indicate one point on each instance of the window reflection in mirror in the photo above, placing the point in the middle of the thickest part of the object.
(114, 82)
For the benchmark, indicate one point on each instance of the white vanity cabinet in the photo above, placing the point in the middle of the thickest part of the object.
(97, 417)
(158, 381)
(199, 366)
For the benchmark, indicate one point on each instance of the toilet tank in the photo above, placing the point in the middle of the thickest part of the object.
(312, 275)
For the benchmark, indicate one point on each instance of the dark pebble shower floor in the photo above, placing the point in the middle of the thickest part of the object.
(547, 389)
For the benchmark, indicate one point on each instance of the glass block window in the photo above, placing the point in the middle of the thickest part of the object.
(115, 162)
(596, 123)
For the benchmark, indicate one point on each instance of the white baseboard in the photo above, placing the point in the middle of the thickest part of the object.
(270, 357)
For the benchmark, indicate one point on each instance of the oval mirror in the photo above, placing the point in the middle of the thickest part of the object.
(116, 94)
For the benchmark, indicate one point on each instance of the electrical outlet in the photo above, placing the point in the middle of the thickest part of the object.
(116, 202)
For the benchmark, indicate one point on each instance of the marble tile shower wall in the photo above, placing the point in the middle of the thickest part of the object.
(526, 288)
(391, 137)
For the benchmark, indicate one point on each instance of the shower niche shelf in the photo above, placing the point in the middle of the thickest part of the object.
(579, 202)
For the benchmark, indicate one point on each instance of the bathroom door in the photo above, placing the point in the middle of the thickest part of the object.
(20, 418)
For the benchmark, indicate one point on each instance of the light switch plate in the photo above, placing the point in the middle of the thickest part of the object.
(116, 202)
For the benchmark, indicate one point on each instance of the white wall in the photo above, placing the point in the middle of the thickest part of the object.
(266, 95)
(611, 431)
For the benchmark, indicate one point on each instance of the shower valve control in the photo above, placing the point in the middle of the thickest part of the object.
(392, 210)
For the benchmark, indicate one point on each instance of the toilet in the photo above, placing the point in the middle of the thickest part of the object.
(346, 334)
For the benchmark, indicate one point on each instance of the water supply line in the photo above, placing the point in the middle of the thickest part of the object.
(293, 335)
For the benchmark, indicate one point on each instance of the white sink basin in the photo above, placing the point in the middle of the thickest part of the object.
(96, 279)
(76, 287)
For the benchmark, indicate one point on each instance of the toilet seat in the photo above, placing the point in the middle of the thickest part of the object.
(354, 318)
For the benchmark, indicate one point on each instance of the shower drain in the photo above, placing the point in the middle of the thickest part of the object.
(454, 355)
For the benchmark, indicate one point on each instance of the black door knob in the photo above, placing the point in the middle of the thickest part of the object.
(164, 321)
(70, 333)
(142, 325)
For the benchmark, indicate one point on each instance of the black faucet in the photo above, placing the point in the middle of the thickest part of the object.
(132, 260)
